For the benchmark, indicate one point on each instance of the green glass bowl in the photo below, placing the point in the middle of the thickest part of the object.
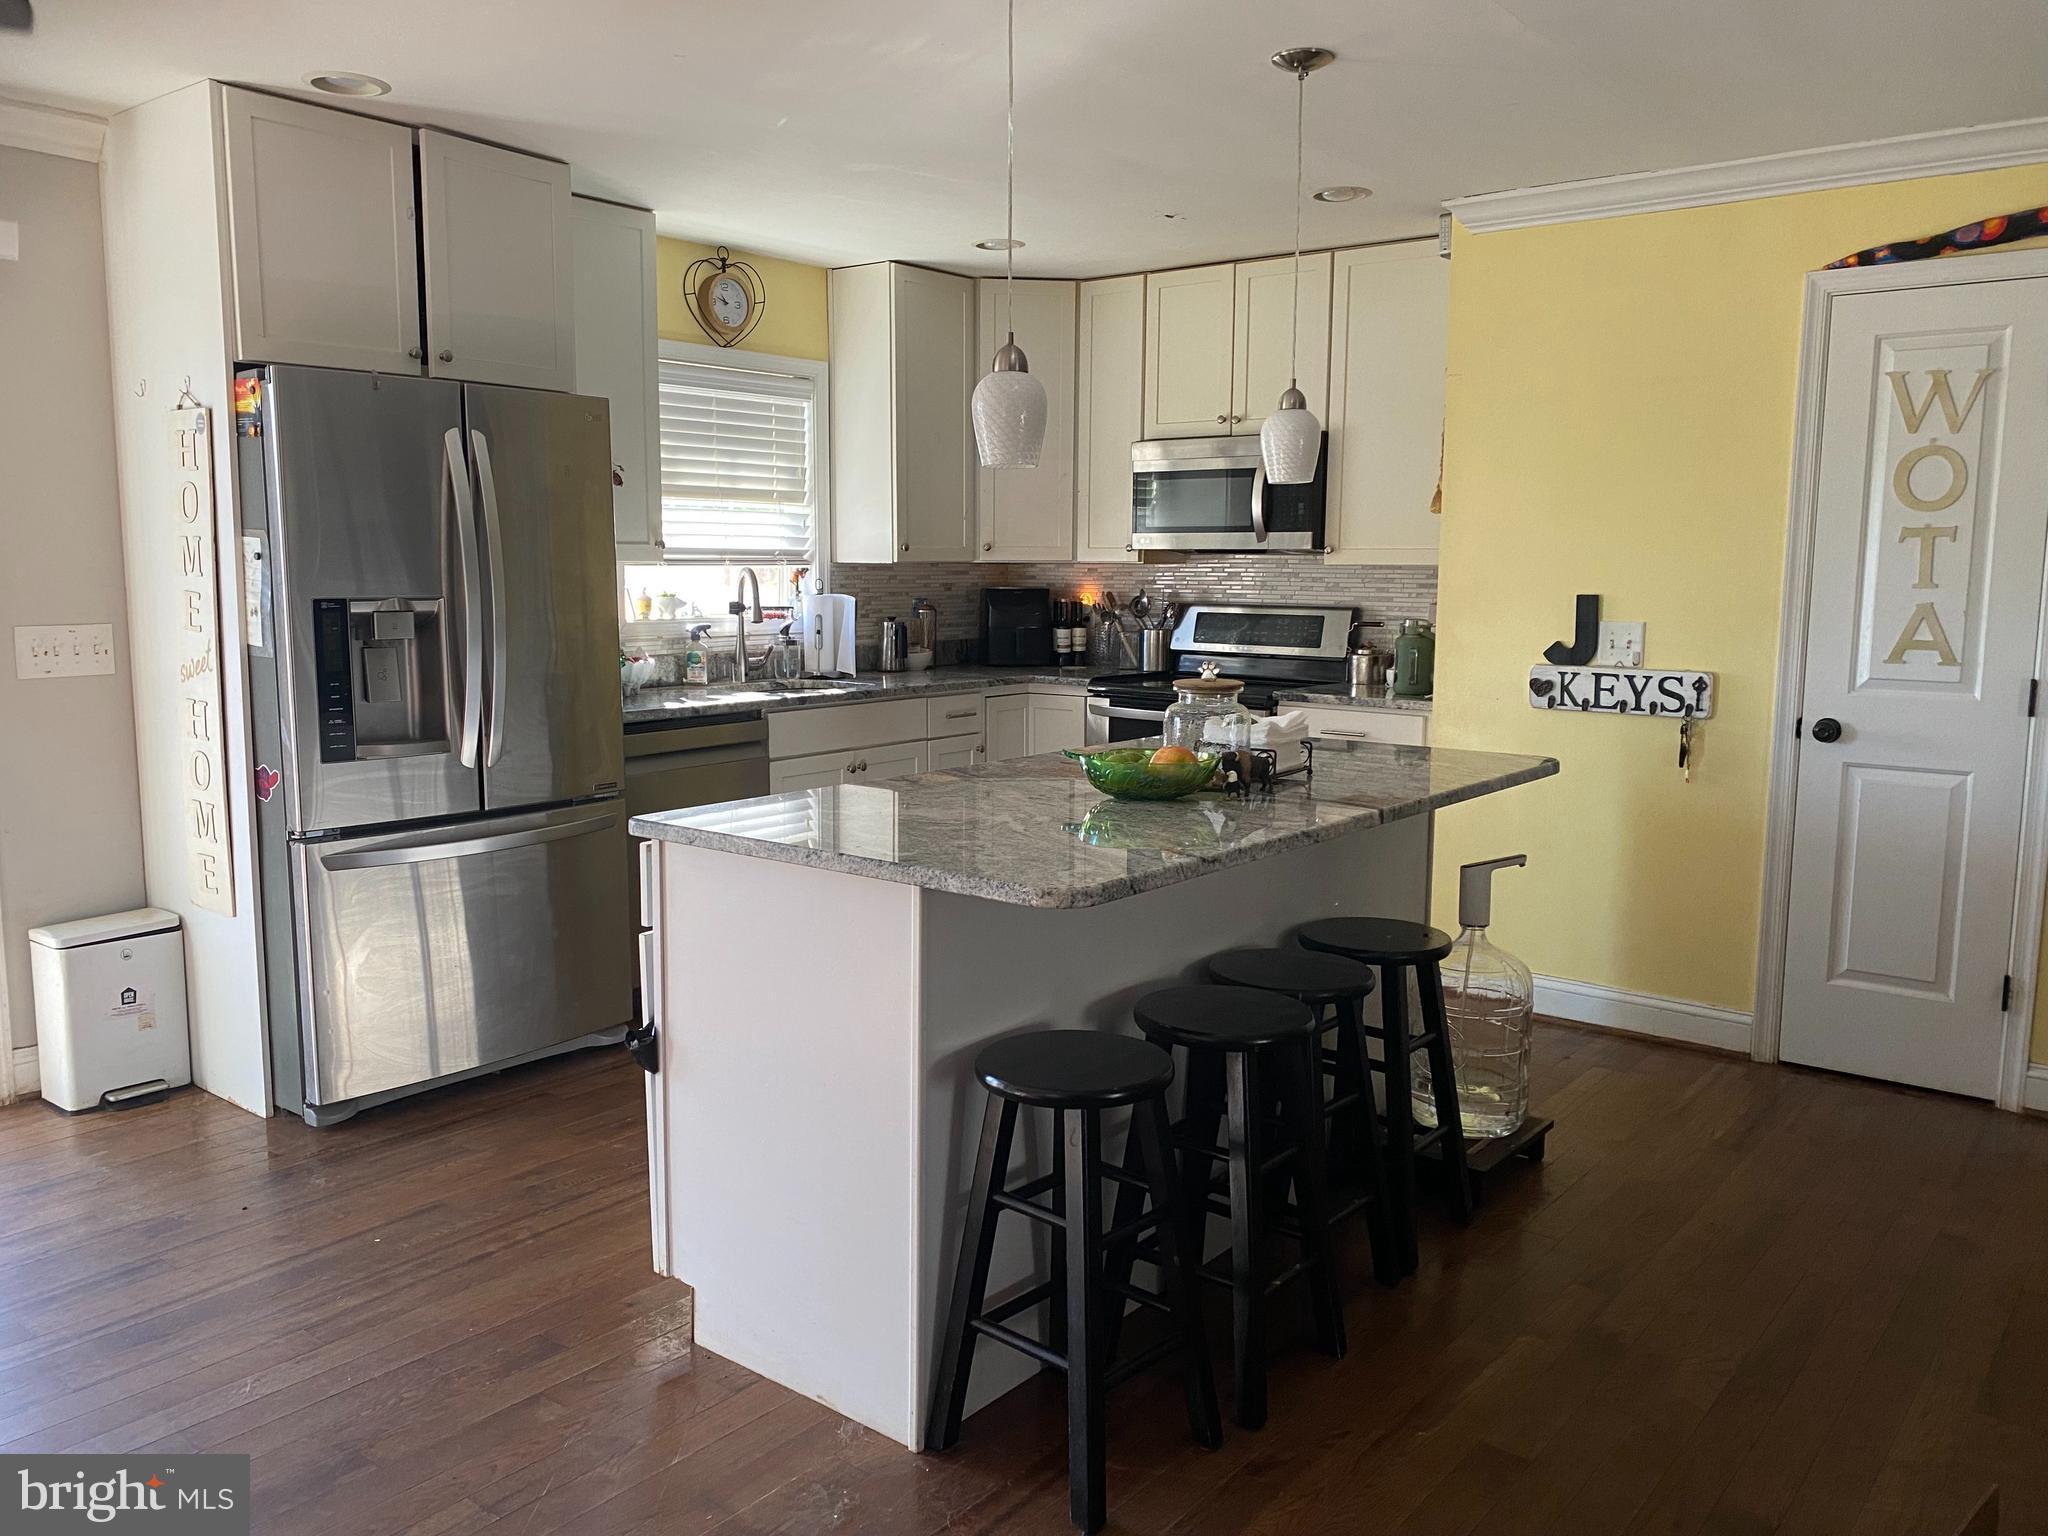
(1127, 773)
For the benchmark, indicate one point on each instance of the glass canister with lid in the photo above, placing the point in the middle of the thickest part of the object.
(1207, 714)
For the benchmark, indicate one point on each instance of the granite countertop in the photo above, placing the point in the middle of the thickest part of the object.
(1354, 701)
(1033, 832)
(703, 702)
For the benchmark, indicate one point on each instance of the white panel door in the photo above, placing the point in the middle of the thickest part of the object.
(955, 752)
(932, 336)
(1058, 722)
(1028, 514)
(1187, 351)
(1109, 413)
(1390, 313)
(499, 253)
(1009, 726)
(873, 764)
(617, 357)
(1264, 358)
(1923, 630)
(320, 217)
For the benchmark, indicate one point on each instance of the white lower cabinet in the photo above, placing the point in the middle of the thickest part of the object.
(859, 765)
(956, 752)
(1400, 728)
(1058, 721)
(1009, 726)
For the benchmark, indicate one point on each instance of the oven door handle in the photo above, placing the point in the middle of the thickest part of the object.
(1103, 711)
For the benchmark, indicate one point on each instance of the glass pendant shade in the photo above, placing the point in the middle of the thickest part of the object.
(1009, 413)
(1290, 442)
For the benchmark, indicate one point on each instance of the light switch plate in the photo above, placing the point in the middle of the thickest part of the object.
(63, 650)
(1621, 645)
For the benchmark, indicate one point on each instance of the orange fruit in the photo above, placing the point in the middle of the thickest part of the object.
(1169, 757)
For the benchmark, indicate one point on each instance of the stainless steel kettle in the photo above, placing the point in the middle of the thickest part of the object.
(895, 644)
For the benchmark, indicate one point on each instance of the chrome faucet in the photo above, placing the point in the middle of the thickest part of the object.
(739, 610)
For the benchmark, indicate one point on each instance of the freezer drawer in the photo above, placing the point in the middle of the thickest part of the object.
(426, 953)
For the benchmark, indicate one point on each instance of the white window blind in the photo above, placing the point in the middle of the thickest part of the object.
(736, 464)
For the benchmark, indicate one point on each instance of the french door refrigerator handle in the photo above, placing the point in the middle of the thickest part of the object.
(495, 552)
(426, 852)
(457, 467)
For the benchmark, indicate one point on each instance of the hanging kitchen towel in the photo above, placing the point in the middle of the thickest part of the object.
(826, 626)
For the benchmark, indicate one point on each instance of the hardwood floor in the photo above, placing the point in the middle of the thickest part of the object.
(1735, 1299)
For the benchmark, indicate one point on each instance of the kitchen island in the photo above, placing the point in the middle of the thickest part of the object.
(823, 965)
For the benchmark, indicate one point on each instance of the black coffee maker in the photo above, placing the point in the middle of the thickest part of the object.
(1016, 626)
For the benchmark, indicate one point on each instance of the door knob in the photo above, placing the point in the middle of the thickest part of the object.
(445, 355)
(1827, 729)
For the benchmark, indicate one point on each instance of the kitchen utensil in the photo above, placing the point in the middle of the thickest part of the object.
(1153, 653)
(895, 644)
(924, 634)
(1128, 773)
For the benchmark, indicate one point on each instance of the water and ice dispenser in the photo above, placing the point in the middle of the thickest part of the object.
(382, 677)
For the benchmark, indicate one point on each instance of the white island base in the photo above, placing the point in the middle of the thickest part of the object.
(812, 1127)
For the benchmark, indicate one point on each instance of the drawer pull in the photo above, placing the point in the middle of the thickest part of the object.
(962, 714)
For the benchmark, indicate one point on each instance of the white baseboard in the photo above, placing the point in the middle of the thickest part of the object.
(1644, 1013)
(27, 1080)
(2034, 1095)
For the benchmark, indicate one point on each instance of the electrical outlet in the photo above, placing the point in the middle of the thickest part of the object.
(63, 650)
(1621, 645)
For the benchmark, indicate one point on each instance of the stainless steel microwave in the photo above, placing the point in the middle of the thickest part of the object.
(1210, 493)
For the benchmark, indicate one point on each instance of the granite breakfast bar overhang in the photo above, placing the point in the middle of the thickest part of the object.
(822, 966)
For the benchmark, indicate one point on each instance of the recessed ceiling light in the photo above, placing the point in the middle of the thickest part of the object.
(999, 245)
(343, 82)
(1342, 194)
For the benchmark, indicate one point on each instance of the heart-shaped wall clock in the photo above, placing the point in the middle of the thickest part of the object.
(726, 298)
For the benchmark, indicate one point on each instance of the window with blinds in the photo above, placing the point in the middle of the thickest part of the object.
(737, 464)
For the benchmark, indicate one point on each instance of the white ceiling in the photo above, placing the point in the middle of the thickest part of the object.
(851, 130)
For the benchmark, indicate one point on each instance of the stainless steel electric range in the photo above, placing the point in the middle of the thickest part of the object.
(1275, 651)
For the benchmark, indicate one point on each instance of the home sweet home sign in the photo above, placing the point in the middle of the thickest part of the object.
(197, 649)
(1623, 691)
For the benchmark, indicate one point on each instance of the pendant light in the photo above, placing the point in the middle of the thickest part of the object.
(1009, 404)
(1291, 439)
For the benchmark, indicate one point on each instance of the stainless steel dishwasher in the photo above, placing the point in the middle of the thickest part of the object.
(672, 765)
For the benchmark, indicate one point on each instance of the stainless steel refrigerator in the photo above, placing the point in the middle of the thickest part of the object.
(434, 677)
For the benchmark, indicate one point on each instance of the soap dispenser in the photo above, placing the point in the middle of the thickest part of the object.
(1489, 1000)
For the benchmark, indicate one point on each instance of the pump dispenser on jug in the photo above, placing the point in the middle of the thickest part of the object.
(1488, 1002)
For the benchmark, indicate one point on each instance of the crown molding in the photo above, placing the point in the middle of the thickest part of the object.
(1992, 146)
(48, 131)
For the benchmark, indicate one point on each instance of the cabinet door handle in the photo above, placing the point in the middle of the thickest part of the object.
(962, 714)
(445, 355)
(413, 353)
(1222, 421)
(986, 548)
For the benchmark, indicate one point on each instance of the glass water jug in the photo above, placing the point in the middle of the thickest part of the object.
(1206, 714)
(1489, 1000)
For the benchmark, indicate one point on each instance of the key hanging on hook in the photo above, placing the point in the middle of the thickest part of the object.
(1685, 748)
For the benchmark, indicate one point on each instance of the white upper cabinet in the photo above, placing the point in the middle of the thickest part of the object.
(1188, 342)
(1109, 413)
(1389, 324)
(320, 216)
(1028, 514)
(617, 357)
(1262, 356)
(498, 248)
(902, 447)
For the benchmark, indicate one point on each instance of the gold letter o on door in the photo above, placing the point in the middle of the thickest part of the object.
(1958, 478)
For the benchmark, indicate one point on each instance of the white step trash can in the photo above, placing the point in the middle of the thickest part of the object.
(110, 1008)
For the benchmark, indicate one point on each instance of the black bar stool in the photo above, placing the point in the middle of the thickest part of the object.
(1235, 1036)
(1077, 1074)
(1396, 947)
(1335, 988)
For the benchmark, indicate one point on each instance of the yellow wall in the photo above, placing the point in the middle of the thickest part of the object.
(793, 324)
(1619, 421)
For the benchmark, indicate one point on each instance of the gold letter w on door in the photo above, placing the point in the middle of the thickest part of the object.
(1938, 392)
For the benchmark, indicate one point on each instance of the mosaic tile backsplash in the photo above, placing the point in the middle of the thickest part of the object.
(1377, 591)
